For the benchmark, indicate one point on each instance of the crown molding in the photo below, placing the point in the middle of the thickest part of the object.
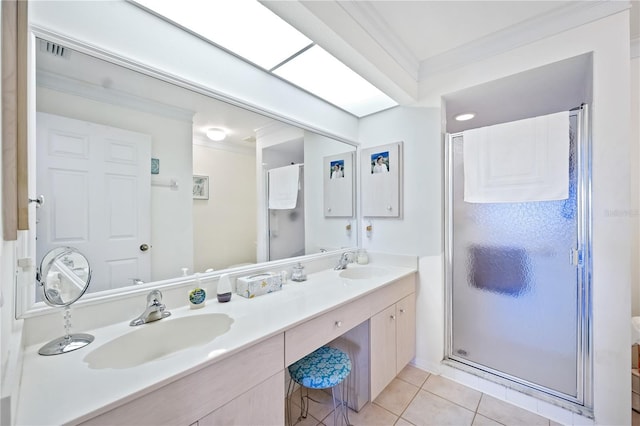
(370, 20)
(635, 48)
(244, 148)
(98, 93)
(545, 25)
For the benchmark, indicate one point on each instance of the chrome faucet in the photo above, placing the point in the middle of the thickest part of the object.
(345, 259)
(155, 309)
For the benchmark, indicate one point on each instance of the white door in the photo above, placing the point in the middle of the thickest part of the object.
(96, 184)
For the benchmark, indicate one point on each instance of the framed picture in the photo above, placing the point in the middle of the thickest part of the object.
(381, 174)
(200, 187)
(338, 185)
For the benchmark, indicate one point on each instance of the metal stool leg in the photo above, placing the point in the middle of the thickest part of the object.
(304, 407)
(342, 403)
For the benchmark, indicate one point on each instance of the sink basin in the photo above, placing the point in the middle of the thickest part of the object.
(158, 339)
(362, 272)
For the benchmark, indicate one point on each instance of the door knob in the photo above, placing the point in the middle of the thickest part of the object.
(39, 201)
(144, 247)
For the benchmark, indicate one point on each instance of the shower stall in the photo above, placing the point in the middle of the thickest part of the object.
(518, 281)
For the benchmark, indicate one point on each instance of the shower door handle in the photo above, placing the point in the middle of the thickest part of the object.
(576, 257)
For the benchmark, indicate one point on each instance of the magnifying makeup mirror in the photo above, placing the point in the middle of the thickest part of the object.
(64, 275)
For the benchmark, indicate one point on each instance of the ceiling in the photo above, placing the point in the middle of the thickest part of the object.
(394, 44)
(398, 44)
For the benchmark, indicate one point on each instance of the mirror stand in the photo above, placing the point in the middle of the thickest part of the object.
(64, 276)
(67, 343)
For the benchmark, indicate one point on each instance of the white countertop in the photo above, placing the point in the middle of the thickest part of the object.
(63, 389)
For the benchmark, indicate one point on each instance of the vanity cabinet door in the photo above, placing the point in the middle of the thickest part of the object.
(393, 342)
(262, 405)
(383, 349)
(406, 331)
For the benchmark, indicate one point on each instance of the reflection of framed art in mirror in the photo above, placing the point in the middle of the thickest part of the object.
(200, 187)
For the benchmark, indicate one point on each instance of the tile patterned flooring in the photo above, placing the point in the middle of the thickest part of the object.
(417, 398)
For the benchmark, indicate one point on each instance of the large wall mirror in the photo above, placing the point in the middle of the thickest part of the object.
(129, 177)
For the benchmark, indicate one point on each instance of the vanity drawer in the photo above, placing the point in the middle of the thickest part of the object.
(309, 336)
(391, 293)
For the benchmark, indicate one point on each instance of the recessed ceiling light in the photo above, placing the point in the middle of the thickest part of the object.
(464, 117)
(216, 134)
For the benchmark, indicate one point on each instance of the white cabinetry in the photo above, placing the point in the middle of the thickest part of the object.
(248, 387)
(202, 393)
(393, 342)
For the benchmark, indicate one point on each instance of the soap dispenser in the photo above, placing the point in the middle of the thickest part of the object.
(197, 296)
(298, 273)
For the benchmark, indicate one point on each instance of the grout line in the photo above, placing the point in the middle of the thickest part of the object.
(413, 384)
(390, 412)
(453, 402)
(410, 402)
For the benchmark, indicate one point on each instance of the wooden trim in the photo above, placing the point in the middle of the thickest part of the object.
(9, 72)
(14, 118)
(23, 147)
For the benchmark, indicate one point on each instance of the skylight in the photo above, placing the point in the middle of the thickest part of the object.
(318, 72)
(253, 32)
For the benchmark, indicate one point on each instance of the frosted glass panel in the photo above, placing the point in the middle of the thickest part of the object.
(514, 288)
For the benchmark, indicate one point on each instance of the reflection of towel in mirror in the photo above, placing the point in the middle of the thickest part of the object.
(283, 187)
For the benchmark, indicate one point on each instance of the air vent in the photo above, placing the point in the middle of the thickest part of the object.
(54, 49)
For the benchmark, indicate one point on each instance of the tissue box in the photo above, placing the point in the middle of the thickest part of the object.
(257, 285)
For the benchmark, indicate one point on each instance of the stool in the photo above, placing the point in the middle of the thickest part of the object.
(322, 369)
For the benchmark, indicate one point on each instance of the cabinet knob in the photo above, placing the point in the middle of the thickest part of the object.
(402, 311)
(392, 317)
(338, 324)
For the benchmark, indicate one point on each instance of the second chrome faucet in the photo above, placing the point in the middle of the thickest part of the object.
(345, 259)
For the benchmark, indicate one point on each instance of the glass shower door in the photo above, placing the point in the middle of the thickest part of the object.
(515, 283)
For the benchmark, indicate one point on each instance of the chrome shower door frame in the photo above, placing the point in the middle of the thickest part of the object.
(582, 403)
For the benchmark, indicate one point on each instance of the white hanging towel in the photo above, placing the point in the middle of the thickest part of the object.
(283, 187)
(521, 161)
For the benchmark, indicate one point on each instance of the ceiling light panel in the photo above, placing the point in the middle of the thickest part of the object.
(318, 72)
(244, 27)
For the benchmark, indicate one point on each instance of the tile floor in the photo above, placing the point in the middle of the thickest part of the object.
(417, 398)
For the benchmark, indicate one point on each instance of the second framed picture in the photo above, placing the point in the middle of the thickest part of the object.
(382, 180)
(200, 187)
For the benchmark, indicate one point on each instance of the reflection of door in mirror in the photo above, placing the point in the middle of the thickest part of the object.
(286, 226)
(95, 179)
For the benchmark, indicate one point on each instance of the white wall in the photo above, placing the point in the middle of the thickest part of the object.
(171, 219)
(225, 225)
(419, 231)
(323, 232)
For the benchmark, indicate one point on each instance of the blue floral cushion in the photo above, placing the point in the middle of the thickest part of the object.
(321, 369)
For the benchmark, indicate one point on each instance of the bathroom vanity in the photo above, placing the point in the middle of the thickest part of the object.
(239, 376)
